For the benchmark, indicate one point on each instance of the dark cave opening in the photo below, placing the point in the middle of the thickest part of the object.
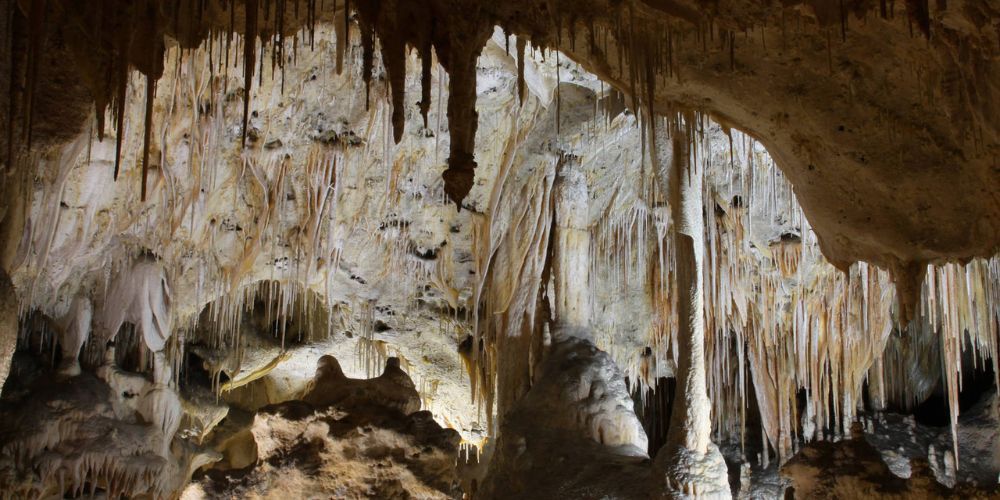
(977, 381)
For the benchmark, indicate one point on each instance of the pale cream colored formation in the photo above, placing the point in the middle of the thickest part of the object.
(572, 250)
(316, 248)
(690, 463)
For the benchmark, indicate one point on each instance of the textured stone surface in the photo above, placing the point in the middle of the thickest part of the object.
(574, 435)
(346, 438)
(883, 176)
(356, 155)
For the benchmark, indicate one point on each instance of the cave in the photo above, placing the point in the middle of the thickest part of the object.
(551, 249)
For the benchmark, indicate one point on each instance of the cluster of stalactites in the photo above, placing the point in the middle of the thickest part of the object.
(293, 202)
(961, 305)
(133, 35)
(822, 330)
(780, 319)
(509, 310)
(87, 472)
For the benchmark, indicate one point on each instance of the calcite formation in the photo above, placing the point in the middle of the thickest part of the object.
(111, 433)
(625, 248)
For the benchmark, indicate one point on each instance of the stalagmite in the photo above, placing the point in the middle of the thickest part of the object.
(159, 403)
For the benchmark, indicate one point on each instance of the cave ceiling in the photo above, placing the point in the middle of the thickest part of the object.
(883, 114)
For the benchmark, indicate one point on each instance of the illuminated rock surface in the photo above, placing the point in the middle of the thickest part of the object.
(572, 248)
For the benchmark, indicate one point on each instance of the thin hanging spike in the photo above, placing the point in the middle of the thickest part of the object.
(829, 51)
(156, 54)
(394, 61)
(920, 11)
(367, 61)
(122, 94)
(278, 55)
(150, 96)
(249, 60)
(232, 29)
(843, 21)
(312, 25)
(558, 96)
(211, 56)
(177, 16)
(341, 43)
(520, 70)
(347, 21)
(670, 52)
(732, 51)
(650, 105)
(260, 70)
(101, 101)
(426, 63)
(12, 89)
(36, 39)
(274, 57)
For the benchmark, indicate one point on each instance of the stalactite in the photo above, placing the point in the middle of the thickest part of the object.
(122, 80)
(12, 86)
(147, 130)
(957, 302)
(907, 278)
(838, 323)
(37, 13)
(426, 61)
(394, 61)
(919, 10)
(462, 121)
(249, 60)
(521, 43)
(367, 60)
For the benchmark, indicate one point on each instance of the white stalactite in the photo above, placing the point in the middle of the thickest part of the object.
(141, 296)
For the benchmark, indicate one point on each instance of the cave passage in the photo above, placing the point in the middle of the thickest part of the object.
(525, 249)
